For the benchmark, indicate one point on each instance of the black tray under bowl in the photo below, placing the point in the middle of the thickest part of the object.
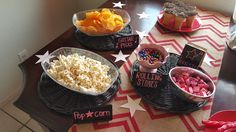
(165, 98)
(101, 43)
(65, 101)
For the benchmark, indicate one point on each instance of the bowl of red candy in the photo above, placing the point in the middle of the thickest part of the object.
(151, 57)
(191, 84)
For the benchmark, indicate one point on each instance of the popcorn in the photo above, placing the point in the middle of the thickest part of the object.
(80, 73)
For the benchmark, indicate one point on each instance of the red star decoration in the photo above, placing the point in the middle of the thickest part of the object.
(89, 114)
(192, 54)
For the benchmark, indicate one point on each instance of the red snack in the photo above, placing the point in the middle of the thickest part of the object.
(227, 126)
(192, 84)
(209, 123)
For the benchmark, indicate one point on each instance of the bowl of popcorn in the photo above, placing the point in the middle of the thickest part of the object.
(81, 70)
(191, 84)
(101, 22)
(151, 57)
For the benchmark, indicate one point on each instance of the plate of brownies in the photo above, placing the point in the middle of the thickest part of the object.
(179, 16)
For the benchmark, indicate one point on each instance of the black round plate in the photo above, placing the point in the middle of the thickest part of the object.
(165, 98)
(101, 43)
(65, 101)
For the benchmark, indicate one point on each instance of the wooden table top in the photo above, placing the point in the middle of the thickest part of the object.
(31, 104)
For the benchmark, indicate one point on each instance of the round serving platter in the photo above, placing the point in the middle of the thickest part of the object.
(65, 101)
(196, 25)
(101, 43)
(164, 98)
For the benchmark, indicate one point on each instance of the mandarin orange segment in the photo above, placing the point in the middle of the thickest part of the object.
(103, 22)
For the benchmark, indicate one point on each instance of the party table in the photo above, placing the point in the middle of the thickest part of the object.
(211, 35)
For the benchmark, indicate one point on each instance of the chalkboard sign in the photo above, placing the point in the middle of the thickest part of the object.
(126, 42)
(192, 56)
(95, 114)
(148, 80)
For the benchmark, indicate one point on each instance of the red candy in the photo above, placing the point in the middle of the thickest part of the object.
(192, 84)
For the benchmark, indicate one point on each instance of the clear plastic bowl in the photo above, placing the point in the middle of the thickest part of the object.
(113, 72)
(81, 16)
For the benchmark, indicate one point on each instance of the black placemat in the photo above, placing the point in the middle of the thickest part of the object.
(65, 101)
(102, 43)
(165, 98)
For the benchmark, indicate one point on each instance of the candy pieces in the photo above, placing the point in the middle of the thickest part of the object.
(103, 22)
(192, 84)
(151, 55)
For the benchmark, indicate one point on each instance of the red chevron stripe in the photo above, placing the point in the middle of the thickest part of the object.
(74, 128)
(171, 42)
(213, 44)
(195, 124)
(152, 116)
(205, 10)
(110, 125)
(121, 91)
(205, 37)
(213, 58)
(215, 18)
(126, 70)
(186, 123)
(215, 30)
(165, 44)
(164, 41)
(129, 63)
(149, 39)
(119, 123)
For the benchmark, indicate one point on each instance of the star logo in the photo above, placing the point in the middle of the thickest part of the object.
(192, 54)
(89, 114)
(133, 105)
(120, 56)
(143, 15)
(119, 4)
(46, 57)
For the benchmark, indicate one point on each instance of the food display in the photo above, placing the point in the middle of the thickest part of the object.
(150, 55)
(80, 72)
(98, 22)
(192, 84)
(180, 13)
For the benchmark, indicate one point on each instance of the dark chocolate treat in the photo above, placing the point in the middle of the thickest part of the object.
(181, 14)
(191, 13)
(168, 5)
(170, 10)
(189, 7)
(178, 3)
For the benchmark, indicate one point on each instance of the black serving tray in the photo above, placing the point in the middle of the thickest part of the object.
(66, 101)
(164, 98)
(101, 43)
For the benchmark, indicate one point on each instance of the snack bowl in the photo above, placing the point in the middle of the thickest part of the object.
(145, 65)
(191, 84)
(112, 71)
(100, 22)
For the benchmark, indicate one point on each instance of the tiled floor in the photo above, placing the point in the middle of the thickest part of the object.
(13, 119)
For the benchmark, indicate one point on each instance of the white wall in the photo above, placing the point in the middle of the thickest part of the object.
(28, 24)
(224, 6)
(89, 4)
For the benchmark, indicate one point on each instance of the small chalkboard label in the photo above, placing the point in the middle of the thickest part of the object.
(148, 80)
(126, 42)
(95, 114)
(191, 56)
